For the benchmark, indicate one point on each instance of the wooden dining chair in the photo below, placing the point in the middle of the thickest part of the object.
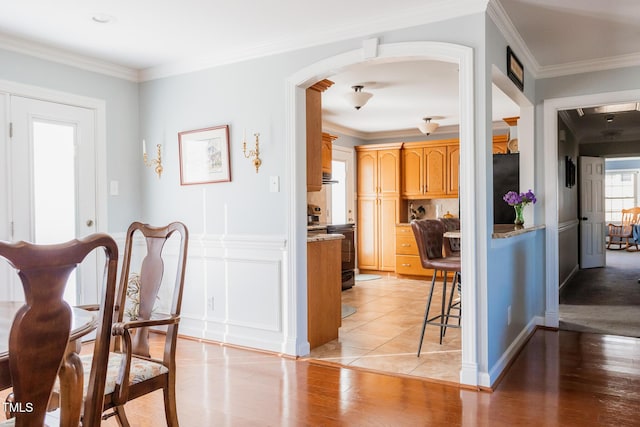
(40, 331)
(429, 239)
(132, 371)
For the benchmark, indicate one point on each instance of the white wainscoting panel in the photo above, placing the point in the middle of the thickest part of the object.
(234, 289)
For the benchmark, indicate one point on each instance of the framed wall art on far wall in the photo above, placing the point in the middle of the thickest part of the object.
(204, 155)
(515, 70)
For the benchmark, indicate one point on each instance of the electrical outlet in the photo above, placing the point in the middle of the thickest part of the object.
(508, 315)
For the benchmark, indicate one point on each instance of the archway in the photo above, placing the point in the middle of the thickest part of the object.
(295, 294)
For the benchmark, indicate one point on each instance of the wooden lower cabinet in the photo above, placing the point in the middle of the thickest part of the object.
(406, 258)
(324, 291)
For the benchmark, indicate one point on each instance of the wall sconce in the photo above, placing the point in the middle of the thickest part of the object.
(255, 153)
(157, 161)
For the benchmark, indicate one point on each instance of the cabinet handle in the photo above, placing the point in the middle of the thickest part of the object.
(406, 265)
(405, 245)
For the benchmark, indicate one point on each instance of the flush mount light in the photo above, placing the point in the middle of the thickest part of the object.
(358, 98)
(102, 18)
(428, 126)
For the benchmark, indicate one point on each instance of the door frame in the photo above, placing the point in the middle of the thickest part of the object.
(295, 295)
(551, 181)
(98, 107)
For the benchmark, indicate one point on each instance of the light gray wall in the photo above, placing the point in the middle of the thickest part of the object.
(568, 244)
(515, 266)
(124, 162)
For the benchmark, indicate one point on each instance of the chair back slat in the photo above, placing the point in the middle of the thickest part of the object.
(41, 328)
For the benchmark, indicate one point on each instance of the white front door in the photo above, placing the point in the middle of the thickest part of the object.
(592, 215)
(53, 181)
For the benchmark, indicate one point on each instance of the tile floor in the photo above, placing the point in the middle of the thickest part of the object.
(384, 332)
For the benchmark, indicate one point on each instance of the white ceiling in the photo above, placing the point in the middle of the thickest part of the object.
(151, 38)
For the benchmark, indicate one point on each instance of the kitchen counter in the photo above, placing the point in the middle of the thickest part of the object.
(324, 288)
(503, 231)
(323, 237)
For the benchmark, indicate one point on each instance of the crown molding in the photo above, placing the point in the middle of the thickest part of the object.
(500, 18)
(600, 64)
(511, 34)
(67, 58)
(398, 19)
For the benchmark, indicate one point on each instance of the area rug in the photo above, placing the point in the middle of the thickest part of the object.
(365, 277)
(347, 310)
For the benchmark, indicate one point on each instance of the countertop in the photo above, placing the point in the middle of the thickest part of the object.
(323, 237)
(503, 231)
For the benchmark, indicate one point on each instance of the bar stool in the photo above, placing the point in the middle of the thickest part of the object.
(429, 239)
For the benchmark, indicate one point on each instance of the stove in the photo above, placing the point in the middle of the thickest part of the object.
(348, 252)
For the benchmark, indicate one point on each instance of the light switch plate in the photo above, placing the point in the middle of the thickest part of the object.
(274, 184)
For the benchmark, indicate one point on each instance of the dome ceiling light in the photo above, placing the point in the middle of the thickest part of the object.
(358, 98)
(428, 126)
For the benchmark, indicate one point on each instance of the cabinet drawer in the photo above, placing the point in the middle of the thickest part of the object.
(406, 245)
(410, 264)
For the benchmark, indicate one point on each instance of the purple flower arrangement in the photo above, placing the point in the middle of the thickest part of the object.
(522, 199)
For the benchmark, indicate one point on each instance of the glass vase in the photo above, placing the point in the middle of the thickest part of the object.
(519, 221)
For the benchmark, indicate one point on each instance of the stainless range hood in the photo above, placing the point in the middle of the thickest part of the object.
(326, 178)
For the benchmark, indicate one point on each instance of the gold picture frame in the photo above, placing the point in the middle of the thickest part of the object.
(204, 155)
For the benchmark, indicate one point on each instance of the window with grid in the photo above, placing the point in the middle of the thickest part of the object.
(620, 193)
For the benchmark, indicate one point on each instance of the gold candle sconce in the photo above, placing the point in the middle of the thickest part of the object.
(252, 154)
(157, 162)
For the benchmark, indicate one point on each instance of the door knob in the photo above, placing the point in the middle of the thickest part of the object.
(89, 222)
(584, 218)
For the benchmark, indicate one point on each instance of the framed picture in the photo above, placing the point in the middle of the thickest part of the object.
(204, 155)
(570, 172)
(515, 70)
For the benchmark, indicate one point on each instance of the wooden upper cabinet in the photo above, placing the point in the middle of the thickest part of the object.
(430, 169)
(314, 134)
(367, 173)
(412, 173)
(500, 144)
(453, 180)
(389, 172)
(327, 148)
(435, 171)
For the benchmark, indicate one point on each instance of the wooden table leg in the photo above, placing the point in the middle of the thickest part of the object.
(71, 383)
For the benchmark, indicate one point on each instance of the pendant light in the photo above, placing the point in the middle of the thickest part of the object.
(428, 126)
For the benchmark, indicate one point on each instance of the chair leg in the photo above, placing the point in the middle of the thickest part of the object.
(170, 411)
(444, 299)
(121, 417)
(426, 311)
(453, 290)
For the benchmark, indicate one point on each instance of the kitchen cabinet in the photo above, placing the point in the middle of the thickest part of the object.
(430, 169)
(324, 291)
(379, 207)
(314, 134)
(500, 144)
(407, 257)
(327, 156)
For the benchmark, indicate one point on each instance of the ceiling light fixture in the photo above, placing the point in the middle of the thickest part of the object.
(102, 18)
(358, 98)
(428, 126)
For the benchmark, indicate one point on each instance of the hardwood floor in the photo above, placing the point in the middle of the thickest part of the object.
(559, 379)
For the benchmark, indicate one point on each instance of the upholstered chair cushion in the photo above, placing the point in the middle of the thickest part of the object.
(141, 369)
